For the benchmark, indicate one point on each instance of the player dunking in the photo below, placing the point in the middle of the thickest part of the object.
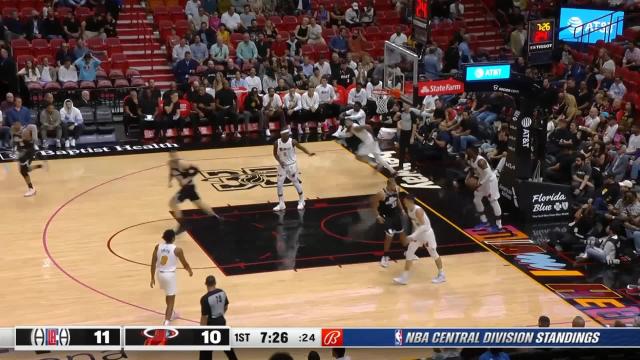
(184, 174)
(165, 260)
(486, 186)
(388, 211)
(422, 236)
(26, 154)
(284, 151)
(369, 145)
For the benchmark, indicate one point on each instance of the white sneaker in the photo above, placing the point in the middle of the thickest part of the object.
(58, 143)
(224, 135)
(267, 133)
(73, 142)
(66, 144)
(238, 135)
(301, 205)
(384, 261)
(174, 316)
(401, 280)
(338, 132)
(280, 207)
(439, 279)
(30, 192)
(35, 146)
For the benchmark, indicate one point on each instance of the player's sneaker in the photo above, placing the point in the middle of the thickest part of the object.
(384, 261)
(339, 132)
(301, 205)
(72, 142)
(401, 280)
(30, 192)
(482, 226)
(280, 207)
(58, 143)
(267, 133)
(494, 229)
(238, 135)
(174, 316)
(66, 144)
(582, 257)
(439, 279)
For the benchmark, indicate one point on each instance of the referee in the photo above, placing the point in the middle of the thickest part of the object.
(213, 305)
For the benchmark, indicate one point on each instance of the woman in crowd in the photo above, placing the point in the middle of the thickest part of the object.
(302, 30)
(322, 16)
(270, 30)
(214, 21)
(30, 72)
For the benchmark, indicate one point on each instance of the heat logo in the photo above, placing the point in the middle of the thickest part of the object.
(159, 336)
(332, 337)
(398, 337)
(50, 337)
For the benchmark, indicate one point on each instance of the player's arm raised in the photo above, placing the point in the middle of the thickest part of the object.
(154, 259)
(375, 200)
(299, 146)
(180, 254)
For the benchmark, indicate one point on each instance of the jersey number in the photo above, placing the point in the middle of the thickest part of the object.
(219, 299)
(164, 259)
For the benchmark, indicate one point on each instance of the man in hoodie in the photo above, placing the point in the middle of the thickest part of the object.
(50, 123)
(72, 123)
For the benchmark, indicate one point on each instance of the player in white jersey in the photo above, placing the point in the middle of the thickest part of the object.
(369, 145)
(164, 262)
(284, 151)
(422, 236)
(485, 187)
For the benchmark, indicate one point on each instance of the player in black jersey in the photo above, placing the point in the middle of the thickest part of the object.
(26, 154)
(184, 173)
(386, 205)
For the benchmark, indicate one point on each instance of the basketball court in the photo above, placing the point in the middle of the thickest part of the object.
(79, 251)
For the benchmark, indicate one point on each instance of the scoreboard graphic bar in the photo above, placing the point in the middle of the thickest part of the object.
(176, 338)
(52, 338)
(276, 337)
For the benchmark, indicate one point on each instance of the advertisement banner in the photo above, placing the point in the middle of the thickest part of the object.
(541, 201)
(440, 87)
(540, 44)
(589, 25)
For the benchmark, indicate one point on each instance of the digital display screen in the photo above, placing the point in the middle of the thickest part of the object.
(421, 9)
(589, 25)
(487, 72)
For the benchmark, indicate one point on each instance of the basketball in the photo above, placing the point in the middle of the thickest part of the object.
(471, 182)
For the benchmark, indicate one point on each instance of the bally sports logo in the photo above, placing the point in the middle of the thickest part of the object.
(332, 337)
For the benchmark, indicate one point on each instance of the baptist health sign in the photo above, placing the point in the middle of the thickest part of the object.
(487, 72)
(598, 24)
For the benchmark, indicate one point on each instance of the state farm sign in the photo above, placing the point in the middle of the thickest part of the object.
(440, 87)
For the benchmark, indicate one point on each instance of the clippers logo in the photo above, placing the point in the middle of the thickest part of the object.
(244, 178)
(159, 336)
(50, 337)
(332, 337)
(398, 338)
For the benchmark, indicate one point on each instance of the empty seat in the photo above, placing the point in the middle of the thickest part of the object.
(20, 47)
(104, 115)
(121, 83)
(104, 84)
(85, 84)
(40, 47)
(88, 115)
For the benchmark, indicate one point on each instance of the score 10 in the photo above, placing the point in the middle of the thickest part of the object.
(275, 337)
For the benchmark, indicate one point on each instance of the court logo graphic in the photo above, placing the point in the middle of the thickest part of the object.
(398, 337)
(243, 179)
(332, 337)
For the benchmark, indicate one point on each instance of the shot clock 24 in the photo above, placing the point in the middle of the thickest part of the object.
(541, 35)
(274, 337)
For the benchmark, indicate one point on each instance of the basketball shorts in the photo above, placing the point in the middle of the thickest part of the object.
(289, 171)
(188, 192)
(427, 239)
(393, 224)
(167, 281)
(368, 148)
(489, 190)
(25, 157)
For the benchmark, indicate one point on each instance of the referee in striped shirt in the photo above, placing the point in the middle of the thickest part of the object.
(213, 305)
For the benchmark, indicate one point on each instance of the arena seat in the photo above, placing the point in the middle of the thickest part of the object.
(20, 47)
(70, 85)
(113, 46)
(53, 86)
(21, 60)
(177, 13)
(85, 84)
(82, 12)
(40, 59)
(40, 47)
(161, 13)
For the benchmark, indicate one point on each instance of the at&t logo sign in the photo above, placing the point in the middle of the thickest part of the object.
(50, 337)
